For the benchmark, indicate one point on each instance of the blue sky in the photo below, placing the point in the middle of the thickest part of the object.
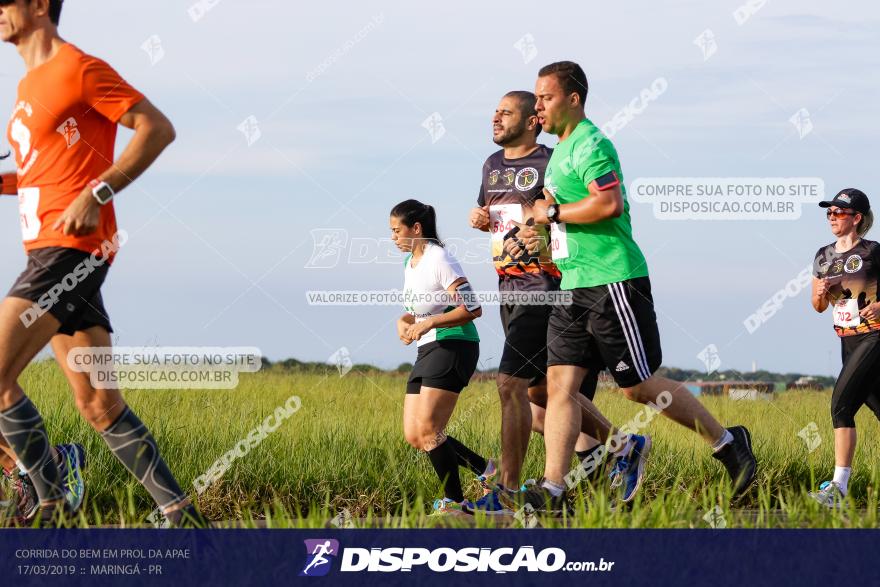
(220, 231)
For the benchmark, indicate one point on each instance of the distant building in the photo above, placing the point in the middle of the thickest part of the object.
(806, 383)
(736, 390)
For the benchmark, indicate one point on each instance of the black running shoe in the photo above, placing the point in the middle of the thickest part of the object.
(739, 460)
(542, 501)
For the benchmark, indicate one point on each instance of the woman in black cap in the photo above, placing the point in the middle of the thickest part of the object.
(845, 276)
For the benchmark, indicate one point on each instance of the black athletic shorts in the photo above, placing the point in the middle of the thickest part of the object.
(618, 320)
(444, 364)
(66, 283)
(525, 341)
(525, 347)
(859, 381)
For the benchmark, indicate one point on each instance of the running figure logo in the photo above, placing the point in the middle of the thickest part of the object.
(69, 131)
(318, 561)
(707, 44)
(328, 247)
(811, 437)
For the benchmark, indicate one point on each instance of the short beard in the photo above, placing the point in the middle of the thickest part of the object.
(510, 136)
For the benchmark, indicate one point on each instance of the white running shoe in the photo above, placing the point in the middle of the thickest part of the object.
(829, 495)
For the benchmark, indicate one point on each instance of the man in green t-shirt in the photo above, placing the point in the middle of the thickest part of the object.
(612, 307)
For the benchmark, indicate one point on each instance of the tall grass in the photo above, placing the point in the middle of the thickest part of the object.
(344, 451)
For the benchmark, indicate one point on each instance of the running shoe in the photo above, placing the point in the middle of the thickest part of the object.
(739, 460)
(527, 484)
(72, 458)
(448, 506)
(542, 501)
(628, 471)
(510, 497)
(24, 501)
(829, 495)
(490, 504)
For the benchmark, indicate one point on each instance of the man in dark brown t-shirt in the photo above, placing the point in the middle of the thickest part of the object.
(513, 178)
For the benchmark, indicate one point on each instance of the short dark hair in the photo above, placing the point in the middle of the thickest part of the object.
(526, 102)
(54, 10)
(571, 77)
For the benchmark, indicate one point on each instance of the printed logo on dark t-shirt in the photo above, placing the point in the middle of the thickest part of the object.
(509, 188)
(853, 276)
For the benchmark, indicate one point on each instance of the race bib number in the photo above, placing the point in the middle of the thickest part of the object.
(28, 203)
(558, 241)
(846, 313)
(500, 218)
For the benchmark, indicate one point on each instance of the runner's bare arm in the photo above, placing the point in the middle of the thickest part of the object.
(820, 294)
(479, 218)
(8, 184)
(601, 204)
(152, 133)
(457, 317)
(8, 181)
(403, 324)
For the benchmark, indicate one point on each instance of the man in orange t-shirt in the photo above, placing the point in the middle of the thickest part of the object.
(62, 131)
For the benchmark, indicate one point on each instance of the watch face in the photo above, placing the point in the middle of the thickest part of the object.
(103, 193)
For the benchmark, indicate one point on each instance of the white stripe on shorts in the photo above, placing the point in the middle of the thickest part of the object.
(640, 346)
(630, 330)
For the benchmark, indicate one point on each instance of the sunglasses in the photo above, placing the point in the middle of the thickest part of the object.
(839, 213)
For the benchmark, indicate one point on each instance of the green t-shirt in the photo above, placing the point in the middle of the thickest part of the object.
(590, 255)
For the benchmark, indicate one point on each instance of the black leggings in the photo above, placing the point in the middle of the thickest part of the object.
(859, 380)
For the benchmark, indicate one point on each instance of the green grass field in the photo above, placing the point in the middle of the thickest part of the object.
(344, 450)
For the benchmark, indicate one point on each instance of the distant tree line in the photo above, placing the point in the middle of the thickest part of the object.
(673, 373)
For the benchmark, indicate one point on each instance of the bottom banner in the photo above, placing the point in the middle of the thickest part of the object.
(435, 557)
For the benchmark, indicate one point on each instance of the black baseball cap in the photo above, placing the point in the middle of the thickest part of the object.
(849, 198)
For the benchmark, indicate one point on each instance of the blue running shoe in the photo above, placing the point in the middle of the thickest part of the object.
(629, 471)
(73, 462)
(490, 504)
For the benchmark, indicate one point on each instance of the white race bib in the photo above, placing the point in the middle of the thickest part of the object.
(28, 203)
(558, 241)
(846, 313)
(500, 217)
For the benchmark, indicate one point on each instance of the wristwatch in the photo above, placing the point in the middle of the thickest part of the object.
(553, 212)
(101, 191)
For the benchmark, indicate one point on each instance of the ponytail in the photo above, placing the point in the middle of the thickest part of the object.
(409, 212)
(866, 223)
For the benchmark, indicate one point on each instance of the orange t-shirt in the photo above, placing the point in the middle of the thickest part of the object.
(63, 132)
